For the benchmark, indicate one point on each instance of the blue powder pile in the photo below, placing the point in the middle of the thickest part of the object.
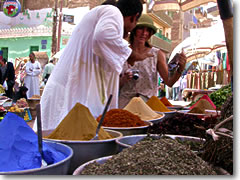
(19, 146)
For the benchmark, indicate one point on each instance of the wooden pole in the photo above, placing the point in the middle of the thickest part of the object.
(54, 29)
(59, 26)
(226, 14)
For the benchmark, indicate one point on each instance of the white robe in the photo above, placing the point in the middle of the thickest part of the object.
(88, 69)
(32, 78)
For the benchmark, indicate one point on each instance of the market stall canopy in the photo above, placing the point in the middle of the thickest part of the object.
(176, 5)
(201, 42)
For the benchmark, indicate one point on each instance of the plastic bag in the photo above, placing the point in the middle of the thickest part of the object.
(5, 86)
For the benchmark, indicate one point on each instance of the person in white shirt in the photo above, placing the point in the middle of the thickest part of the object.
(48, 70)
(31, 81)
(88, 69)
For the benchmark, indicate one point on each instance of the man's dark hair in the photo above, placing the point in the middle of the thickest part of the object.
(130, 7)
(109, 2)
(23, 88)
(4, 60)
(32, 54)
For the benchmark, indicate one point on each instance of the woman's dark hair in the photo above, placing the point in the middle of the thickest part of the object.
(130, 7)
(109, 2)
(131, 38)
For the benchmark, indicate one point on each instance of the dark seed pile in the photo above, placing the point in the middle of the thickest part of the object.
(164, 156)
(181, 124)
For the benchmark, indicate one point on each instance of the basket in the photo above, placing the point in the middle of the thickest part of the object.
(22, 114)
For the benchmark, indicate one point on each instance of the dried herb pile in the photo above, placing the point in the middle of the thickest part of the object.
(220, 152)
(164, 156)
(182, 124)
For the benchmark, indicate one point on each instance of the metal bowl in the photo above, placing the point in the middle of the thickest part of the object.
(87, 150)
(207, 113)
(59, 168)
(131, 130)
(169, 114)
(154, 121)
(98, 160)
(102, 160)
(177, 107)
(128, 141)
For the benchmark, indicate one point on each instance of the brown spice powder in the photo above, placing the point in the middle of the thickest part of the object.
(79, 124)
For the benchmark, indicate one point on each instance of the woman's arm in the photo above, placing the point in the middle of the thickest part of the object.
(162, 68)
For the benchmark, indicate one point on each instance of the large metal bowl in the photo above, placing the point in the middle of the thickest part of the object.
(60, 168)
(98, 160)
(131, 130)
(102, 160)
(128, 141)
(87, 150)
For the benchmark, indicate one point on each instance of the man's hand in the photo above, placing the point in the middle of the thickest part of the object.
(135, 56)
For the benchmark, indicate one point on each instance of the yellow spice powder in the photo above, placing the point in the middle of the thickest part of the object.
(156, 104)
(138, 107)
(79, 124)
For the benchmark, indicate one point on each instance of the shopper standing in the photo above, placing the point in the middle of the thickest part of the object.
(31, 81)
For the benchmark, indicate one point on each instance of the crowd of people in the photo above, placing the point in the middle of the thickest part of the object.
(30, 83)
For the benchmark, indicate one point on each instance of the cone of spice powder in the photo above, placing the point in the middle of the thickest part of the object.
(208, 105)
(79, 124)
(138, 107)
(165, 101)
(156, 104)
(203, 104)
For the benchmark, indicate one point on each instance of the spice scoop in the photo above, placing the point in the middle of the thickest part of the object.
(102, 118)
(39, 133)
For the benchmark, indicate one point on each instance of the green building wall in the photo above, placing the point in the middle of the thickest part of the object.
(21, 46)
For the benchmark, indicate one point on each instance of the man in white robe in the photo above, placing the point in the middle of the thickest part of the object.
(88, 69)
(31, 81)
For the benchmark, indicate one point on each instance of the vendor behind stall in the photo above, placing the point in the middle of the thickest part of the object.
(22, 93)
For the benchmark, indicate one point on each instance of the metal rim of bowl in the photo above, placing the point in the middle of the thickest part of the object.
(44, 167)
(81, 167)
(163, 115)
(157, 119)
(128, 128)
(87, 141)
(171, 111)
(198, 114)
(156, 135)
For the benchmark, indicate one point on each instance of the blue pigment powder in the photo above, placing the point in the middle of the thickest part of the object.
(19, 146)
